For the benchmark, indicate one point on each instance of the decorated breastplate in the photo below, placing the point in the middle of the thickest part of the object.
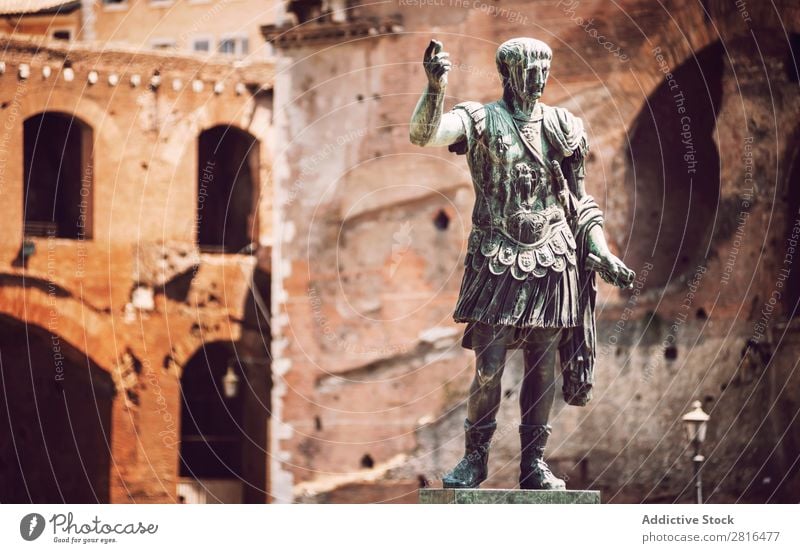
(525, 230)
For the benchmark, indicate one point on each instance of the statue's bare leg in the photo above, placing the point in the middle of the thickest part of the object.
(485, 391)
(482, 406)
(539, 382)
(536, 402)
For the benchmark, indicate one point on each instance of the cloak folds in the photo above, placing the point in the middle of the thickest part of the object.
(578, 348)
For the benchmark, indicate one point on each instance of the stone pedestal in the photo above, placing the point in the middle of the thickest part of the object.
(488, 496)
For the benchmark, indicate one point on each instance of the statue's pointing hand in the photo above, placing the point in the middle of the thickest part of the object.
(437, 64)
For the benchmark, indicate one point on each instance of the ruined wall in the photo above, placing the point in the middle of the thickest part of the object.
(692, 145)
(145, 113)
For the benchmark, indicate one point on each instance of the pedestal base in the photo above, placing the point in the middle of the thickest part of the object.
(483, 496)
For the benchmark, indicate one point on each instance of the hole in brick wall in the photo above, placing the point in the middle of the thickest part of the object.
(442, 220)
(422, 482)
(317, 423)
(671, 353)
(367, 462)
(701, 314)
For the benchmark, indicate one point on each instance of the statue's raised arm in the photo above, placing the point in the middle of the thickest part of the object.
(429, 125)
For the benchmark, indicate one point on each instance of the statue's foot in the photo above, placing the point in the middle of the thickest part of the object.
(468, 473)
(473, 468)
(538, 476)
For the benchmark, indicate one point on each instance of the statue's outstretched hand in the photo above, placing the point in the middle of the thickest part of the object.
(437, 64)
(611, 269)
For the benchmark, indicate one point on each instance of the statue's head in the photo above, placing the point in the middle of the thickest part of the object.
(524, 65)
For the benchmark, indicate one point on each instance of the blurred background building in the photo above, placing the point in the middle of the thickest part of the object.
(228, 276)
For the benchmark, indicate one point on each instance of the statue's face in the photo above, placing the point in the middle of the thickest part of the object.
(529, 80)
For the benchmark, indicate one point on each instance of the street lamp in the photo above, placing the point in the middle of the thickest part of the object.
(230, 383)
(696, 423)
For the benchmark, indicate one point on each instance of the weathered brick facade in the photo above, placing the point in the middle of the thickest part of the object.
(144, 114)
(375, 379)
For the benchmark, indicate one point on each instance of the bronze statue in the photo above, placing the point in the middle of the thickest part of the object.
(536, 241)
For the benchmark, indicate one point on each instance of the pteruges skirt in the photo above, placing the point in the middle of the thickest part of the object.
(546, 297)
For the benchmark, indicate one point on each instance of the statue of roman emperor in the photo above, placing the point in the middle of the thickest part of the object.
(535, 245)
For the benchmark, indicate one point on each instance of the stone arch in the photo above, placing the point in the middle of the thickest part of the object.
(106, 140)
(177, 150)
(192, 343)
(107, 135)
(672, 174)
(790, 233)
(678, 45)
(83, 329)
(56, 438)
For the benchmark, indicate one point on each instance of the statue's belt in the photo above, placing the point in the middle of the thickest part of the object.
(553, 247)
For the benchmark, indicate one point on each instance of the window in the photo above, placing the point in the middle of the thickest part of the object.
(115, 5)
(234, 45)
(62, 34)
(201, 44)
(58, 176)
(227, 189)
(163, 44)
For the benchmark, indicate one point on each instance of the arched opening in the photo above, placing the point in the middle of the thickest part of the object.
(58, 176)
(227, 189)
(673, 169)
(791, 239)
(223, 426)
(55, 431)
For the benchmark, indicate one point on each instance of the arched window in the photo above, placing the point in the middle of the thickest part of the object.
(227, 189)
(58, 176)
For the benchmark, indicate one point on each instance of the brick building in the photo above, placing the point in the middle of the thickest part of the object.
(205, 27)
(135, 260)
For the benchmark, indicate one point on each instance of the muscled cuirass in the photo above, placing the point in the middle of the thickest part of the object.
(518, 222)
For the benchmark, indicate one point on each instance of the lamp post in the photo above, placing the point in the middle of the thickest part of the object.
(696, 422)
(230, 382)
